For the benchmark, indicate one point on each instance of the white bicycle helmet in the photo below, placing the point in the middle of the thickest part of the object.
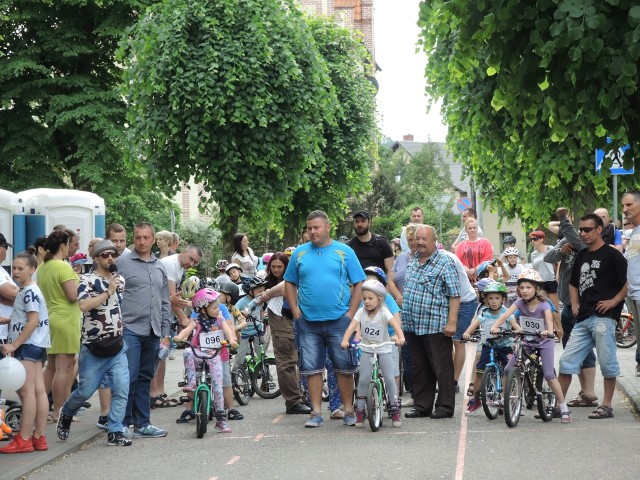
(510, 251)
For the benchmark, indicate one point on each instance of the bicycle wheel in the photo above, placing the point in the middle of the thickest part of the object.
(202, 416)
(374, 407)
(546, 399)
(625, 332)
(241, 385)
(265, 379)
(489, 394)
(513, 396)
(13, 417)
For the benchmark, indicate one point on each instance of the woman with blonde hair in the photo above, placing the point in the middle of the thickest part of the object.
(474, 250)
(164, 239)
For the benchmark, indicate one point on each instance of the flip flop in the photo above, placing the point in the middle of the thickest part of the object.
(601, 412)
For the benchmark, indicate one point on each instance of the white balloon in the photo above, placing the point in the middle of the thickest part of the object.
(12, 374)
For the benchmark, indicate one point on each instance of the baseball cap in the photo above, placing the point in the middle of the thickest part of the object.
(362, 213)
(3, 242)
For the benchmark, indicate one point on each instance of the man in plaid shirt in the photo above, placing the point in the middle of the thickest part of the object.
(429, 316)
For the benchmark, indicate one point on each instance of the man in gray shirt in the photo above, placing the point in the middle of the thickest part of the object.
(631, 210)
(564, 252)
(146, 314)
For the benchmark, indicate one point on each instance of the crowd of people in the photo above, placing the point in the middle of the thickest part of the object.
(108, 325)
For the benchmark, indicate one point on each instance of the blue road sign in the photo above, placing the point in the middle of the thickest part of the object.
(617, 168)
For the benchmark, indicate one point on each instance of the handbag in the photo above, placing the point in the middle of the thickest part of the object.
(106, 347)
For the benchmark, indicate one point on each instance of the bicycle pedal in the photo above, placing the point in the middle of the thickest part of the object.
(182, 384)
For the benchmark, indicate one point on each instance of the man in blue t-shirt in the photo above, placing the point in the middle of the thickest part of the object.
(317, 288)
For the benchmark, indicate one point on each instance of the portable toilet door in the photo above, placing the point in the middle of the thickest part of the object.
(81, 212)
(12, 223)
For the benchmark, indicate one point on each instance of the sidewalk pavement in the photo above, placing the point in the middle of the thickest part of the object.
(17, 466)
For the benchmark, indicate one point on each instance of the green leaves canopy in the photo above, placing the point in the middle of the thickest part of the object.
(529, 91)
(232, 93)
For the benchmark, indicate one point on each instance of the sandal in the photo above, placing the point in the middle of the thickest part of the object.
(601, 412)
(234, 415)
(157, 402)
(170, 402)
(582, 400)
(470, 390)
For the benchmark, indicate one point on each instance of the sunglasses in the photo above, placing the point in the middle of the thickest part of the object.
(109, 255)
(586, 229)
(533, 239)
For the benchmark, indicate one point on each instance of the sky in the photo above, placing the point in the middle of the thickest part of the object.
(402, 102)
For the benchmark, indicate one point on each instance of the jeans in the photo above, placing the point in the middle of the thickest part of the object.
(465, 315)
(91, 371)
(312, 338)
(598, 331)
(568, 321)
(634, 309)
(142, 352)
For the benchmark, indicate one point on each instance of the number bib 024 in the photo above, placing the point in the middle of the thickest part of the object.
(531, 325)
(211, 339)
(371, 332)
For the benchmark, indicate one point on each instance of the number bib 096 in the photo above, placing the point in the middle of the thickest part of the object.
(531, 325)
(211, 339)
(371, 332)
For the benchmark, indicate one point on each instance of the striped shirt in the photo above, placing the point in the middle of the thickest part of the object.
(425, 304)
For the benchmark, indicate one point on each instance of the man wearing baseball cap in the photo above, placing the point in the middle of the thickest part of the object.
(372, 250)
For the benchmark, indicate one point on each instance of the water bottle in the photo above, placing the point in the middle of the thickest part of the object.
(163, 352)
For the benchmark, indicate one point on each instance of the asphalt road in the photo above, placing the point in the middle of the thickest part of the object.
(268, 444)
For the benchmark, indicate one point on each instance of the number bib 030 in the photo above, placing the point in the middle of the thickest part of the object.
(371, 332)
(211, 339)
(531, 325)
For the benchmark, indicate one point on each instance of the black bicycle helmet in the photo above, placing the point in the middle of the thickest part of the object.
(209, 282)
(230, 289)
(509, 239)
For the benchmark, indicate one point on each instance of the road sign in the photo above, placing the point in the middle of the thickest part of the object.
(617, 168)
(463, 203)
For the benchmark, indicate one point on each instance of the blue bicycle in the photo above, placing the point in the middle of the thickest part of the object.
(491, 386)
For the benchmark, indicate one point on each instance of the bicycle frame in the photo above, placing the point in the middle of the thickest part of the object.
(375, 406)
(201, 377)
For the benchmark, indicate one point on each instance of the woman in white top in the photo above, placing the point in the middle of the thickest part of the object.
(243, 255)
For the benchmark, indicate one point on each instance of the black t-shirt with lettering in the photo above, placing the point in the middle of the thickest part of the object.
(598, 275)
(373, 252)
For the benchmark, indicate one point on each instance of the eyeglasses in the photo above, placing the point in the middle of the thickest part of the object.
(533, 239)
(586, 229)
(109, 255)
(4, 246)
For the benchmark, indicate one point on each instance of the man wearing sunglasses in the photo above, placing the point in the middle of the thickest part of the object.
(597, 288)
(102, 352)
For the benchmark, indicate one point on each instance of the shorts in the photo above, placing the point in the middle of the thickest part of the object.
(26, 351)
(465, 315)
(313, 339)
(105, 381)
(500, 356)
(600, 331)
(550, 287)
(226, 374)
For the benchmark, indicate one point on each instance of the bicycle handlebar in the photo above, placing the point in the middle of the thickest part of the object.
(203, 357)
(371, 348)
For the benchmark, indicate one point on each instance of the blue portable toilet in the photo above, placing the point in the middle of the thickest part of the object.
(12, 223)
(82, 212)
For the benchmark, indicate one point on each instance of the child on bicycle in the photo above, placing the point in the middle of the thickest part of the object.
(374, 319)
(209, 320)
(250, 305)
(494, 296)
(533, 305)
(28, 341)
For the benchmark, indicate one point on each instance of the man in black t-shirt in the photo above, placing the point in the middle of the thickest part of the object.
(372, 250)
(598, 287)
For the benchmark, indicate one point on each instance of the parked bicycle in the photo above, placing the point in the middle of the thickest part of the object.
(526, 384)
(625, 331)
(259, 368)
(377, 401)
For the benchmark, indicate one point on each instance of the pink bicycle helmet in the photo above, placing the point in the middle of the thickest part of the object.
(203, 298)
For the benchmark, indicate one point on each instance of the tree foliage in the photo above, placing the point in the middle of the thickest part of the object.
(61, 118)
(349, 147)
(399, 185)
(529, 91)
(232, 93)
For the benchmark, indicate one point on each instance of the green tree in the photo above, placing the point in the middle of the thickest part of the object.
(232, 93)
(207, 237)
(349, 145)
(61, 119)
(530, 90)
